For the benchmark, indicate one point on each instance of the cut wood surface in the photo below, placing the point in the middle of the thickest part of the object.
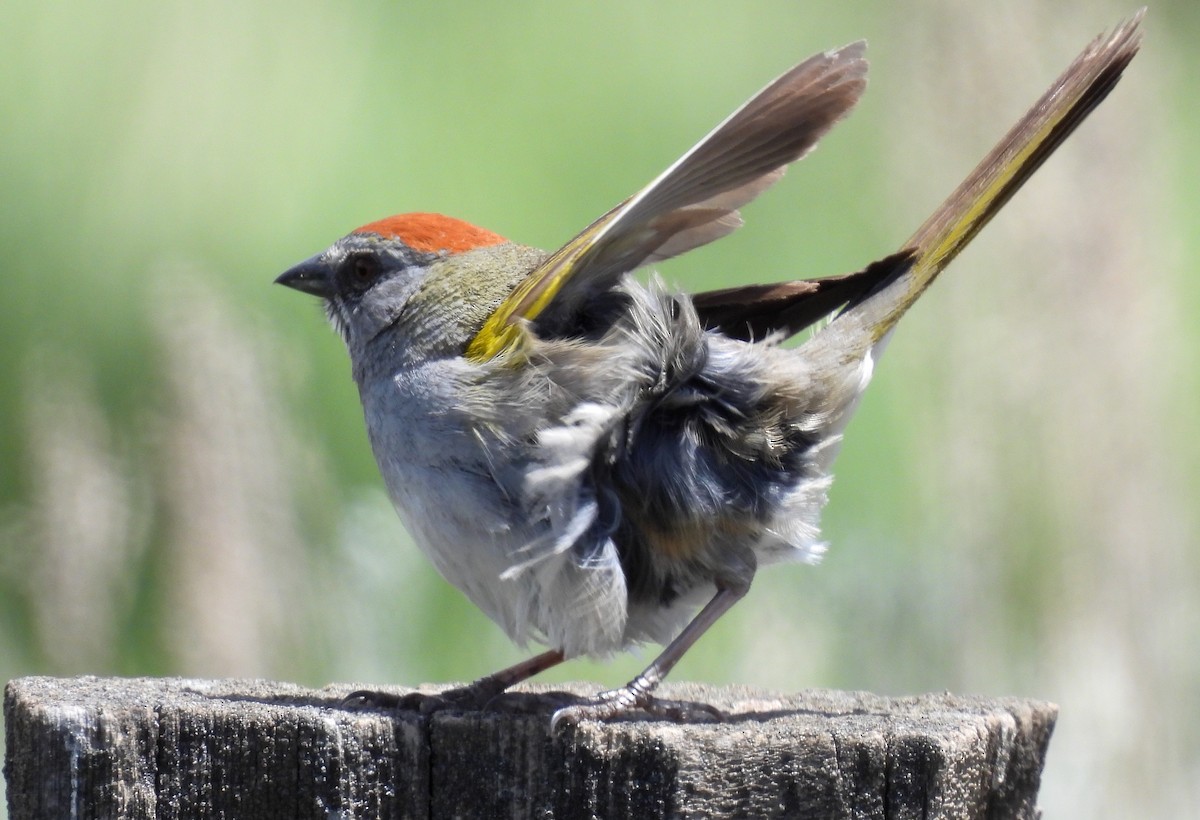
(177, 748)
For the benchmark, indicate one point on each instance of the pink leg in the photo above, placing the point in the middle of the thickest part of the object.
(492, 685)
(636, 693)
(473, 696)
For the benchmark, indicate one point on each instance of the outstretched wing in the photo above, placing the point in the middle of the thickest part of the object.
(693, 202)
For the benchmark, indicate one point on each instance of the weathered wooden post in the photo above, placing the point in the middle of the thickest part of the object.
(173, 748)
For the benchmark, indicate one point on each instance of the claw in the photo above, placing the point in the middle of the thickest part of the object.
(628, 702)
(464, 698)
(370, 699)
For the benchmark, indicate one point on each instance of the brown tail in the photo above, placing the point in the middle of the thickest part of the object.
(1085, 83)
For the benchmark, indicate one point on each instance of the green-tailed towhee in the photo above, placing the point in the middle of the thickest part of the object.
(592, 459)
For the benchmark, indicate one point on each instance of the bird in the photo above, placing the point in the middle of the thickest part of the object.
(600, 461)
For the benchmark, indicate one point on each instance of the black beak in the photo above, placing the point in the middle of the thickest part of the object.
(310, 276)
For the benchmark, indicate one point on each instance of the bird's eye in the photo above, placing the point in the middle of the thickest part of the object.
(361, 270)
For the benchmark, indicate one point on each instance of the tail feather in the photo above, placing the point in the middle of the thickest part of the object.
(1085, 83)
(752, 312)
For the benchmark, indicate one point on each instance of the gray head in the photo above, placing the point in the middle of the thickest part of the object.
(431, 279)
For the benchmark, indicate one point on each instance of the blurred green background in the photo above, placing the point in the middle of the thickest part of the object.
(186, 484)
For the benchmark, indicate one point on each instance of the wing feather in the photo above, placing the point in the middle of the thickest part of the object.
(693, 202)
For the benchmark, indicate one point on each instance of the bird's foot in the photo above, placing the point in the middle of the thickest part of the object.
(469, 698)
(634, 700)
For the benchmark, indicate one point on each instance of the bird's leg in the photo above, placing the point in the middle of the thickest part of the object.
(489, 686)
(636, 693)
(472, 696)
